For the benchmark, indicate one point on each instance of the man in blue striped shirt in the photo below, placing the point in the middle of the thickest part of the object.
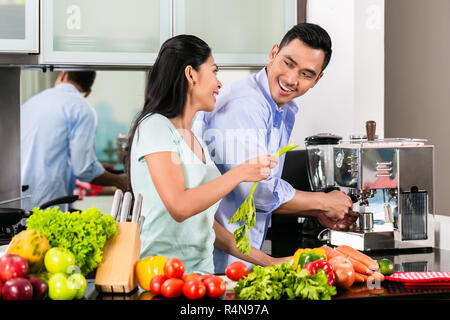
(255, 116)
(58, 141)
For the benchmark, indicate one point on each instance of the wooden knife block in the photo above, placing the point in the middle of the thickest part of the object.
(121, 252)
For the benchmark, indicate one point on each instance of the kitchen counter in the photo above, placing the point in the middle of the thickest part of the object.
(404, 260)
(410, 260)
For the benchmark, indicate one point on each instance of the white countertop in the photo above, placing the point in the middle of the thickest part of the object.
(3, 249)
(102, 203)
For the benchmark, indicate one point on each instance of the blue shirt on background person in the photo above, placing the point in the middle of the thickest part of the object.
(245, 123)
(57, 140)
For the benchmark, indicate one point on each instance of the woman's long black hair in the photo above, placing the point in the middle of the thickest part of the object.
(166, 89)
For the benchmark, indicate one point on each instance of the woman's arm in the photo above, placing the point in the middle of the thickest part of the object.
(168, 177)
(225, 241)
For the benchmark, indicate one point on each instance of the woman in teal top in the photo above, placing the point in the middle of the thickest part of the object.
(171, 167)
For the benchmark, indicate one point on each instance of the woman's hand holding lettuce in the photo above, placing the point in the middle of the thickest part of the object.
(247, 212)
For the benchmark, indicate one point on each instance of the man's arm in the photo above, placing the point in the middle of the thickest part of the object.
(110, 179)
(334, 204)
(85, 165)
(225, 241)
(333, 209)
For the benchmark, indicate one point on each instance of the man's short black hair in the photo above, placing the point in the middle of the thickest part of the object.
(313, 36)
(85, 79)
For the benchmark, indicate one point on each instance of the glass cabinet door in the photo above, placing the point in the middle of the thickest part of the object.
(104, 32)
(239, 32)
(19, 26)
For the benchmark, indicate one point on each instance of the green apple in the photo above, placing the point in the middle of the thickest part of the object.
(58, 260)
(60, 288)
(79, 281)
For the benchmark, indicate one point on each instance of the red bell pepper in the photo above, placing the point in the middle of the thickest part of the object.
(314, 266)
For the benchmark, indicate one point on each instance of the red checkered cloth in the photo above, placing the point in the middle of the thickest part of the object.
(429, 278)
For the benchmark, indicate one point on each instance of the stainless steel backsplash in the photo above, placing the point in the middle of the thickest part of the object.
(10, 181)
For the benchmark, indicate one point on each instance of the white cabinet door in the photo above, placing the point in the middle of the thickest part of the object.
(239, 32)
(104, 32)
(19, 26)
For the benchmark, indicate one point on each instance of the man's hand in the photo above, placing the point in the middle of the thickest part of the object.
(336, 205)
(345, 224)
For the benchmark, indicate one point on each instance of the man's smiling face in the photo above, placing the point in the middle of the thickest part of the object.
(293, 70)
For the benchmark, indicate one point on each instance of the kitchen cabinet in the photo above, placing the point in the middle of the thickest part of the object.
(19, 26)
(103, 32)
(130, 33)
(240, 33)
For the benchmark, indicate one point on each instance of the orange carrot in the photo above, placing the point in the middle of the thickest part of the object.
(330, 252)
(359, 266)
(359, 256)
(359, 278)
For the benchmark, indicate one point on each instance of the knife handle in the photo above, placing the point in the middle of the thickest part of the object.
(126, 206)
(137, 208)
(116, 203)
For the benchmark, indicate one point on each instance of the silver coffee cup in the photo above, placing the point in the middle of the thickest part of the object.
(366, 221)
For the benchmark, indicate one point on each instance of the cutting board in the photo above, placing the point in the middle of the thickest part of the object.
(115, 273)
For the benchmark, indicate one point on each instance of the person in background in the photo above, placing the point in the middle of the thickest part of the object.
(171, 167)
(255, 116)
(58, 128)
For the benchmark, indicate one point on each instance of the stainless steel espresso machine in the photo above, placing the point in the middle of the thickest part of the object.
(396, 176)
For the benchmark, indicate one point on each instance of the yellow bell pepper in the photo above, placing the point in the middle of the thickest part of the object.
(318, 251)
(147, 268)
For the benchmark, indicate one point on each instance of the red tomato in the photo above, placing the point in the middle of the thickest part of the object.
(156, 283)
(172, 288)
(215, 286)
(236, 270)
(174, 268)
(194, 289)
(191, 276)
(205, 276)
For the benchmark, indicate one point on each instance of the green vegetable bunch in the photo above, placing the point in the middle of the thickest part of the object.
(283, 282)
(247, 212)
(83, 233)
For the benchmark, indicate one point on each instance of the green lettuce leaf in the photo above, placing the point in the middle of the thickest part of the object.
(83, 233)
(247, 210)
(283, 282)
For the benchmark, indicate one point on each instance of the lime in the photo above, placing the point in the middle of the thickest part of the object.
(386, 267)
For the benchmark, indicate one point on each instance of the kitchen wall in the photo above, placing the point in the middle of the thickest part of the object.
(418, 81)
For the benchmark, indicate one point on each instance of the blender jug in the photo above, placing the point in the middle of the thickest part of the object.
(320, 161)
(320, 168)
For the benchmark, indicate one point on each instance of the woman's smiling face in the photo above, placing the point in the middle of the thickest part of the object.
(206, 86)
(293, 70)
